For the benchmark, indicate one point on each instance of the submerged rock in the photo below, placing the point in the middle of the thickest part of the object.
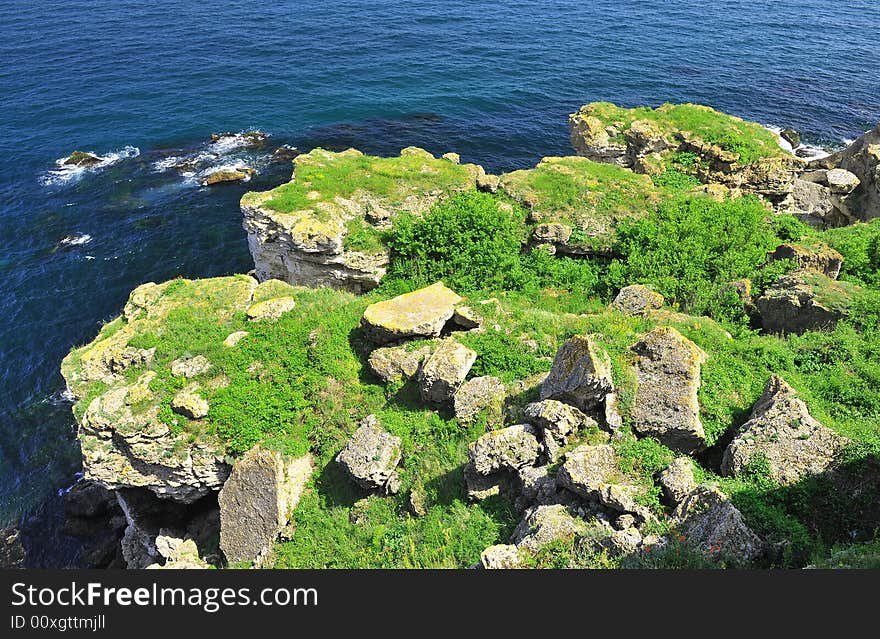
(240, 174)
(371, 457)
(82, 158)
(580, 375)
(422, 313)
(666, 406)
(782, 432)
(257, 500)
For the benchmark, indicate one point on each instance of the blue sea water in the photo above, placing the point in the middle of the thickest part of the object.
(493, 81)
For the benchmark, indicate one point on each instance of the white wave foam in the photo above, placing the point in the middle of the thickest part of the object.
(228, 143)
(803, 151)
(75, 239)
(66, 173)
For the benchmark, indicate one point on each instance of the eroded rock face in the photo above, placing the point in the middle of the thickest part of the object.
(860, 160)
(782, 432)
(804, 300)
(445, 371)
(507, 448)
(481, 394)
(710, 523)
(821, 258)
(666, 406)
(257, 500)
(371, 457)
(636, 300)
(422, 313)
(580, 375)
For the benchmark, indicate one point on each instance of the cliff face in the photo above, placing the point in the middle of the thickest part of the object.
(862, 160)
(324, 227)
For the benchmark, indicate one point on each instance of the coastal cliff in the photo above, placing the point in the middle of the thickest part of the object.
(614, 359)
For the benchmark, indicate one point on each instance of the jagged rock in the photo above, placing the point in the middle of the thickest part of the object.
(623, 542)
(666, 405)
(613, 418)
(542, 525)
(234, 338)
(190, 366)
(422, 313)
(248, 138)
(783, 432)
(624, 522)
(179, 554)
(622, 498)
(841, 181)
(710, 523)
(395, 363)
(590, 139)
(636, 300)
(257, 500)
(861, 159)
(556, 418)
(791, 136)
(270, 309)
(478, 394)
(580, 375)
(821, 258)
(371, 457)
(240, 174)
(82, 158)
(500, 557)
(445, 371)
(455, 158)
(190, 404)
(418, 501)
(466, 318)
(507, 448)
(804, 300)
(813, 203)
(677, 480)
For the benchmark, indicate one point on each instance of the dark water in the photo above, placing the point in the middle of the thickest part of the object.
(492, 80)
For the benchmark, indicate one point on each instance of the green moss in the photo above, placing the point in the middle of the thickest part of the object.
(362, 237)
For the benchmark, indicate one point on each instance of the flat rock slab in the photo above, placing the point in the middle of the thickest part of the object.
(580, 375)
(666, 406)
(422, 313)
(257, 500)
(782, 432)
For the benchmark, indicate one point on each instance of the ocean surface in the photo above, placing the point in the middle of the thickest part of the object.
(145, 84)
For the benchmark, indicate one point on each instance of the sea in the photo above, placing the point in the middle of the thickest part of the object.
(144, 85)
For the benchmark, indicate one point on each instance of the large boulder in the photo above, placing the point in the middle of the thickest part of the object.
(422, 313)
(710, 523)
(507, 448)
(371, 457)
(782, 432)
(667, 367)
(580, 375)
(804, 300)
(481, 394)
(820, 258)
(543, 525)
(557, 419)
(445, 371)
(636, 299)
(398, 363)
(677, 480)
(257, 500)
(500, 557)
(860, 160)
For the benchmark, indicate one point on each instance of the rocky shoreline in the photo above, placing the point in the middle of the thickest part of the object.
(176, 477)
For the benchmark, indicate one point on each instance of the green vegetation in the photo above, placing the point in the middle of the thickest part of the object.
(748, 140)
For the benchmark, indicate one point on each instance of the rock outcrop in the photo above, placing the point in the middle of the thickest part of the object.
(782, 433)
(371, 457)
(257, 500)
(860, 160)
(422, 313)
(301, 232)
(666, 406)
(556, 419)
(819, 258)
(580, 375)
(804, 300)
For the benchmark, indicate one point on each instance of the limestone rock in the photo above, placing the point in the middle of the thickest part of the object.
(841, 181)
(804, 300)
(478, 394)
(552, 233)
(822, 258)
(666, 406)
(556, 418)
(480, 487)
(445, 371)
(623, 542)
(422, 313)
(234, 338)
(270, 309)
(179, 554)
(587, 468)
(507, 448)
(542, 525)
(488, 183)
(466, 318)
(636, 300)
(189, 404)
(257, 500)
(371, 457)
(580, 375)
(190, 366)
(535, 481)
(590, 139)
(861, 159)
(710, 523)
(782, 430)
(791, 136)
(500, 557)
(396, 363)
(677, 480)
(239, 174)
